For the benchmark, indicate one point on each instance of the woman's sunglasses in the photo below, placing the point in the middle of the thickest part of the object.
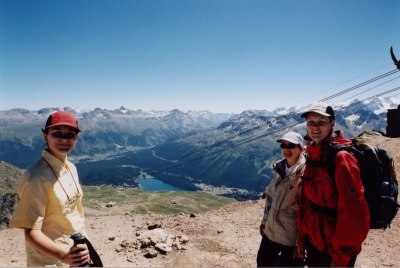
(288, 145)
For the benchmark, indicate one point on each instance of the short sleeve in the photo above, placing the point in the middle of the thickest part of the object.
(31, 207)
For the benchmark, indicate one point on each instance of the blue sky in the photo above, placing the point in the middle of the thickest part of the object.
(219, 55)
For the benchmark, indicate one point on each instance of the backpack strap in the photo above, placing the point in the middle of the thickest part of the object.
(331, 156)
(330, 164)
(378, 177)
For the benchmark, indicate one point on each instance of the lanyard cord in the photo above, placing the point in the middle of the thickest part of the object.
(77, 189)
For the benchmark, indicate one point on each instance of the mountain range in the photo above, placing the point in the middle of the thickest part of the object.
(194, 150)
(104, 131)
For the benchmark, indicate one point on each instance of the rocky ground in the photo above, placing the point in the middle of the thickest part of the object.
(227, 237)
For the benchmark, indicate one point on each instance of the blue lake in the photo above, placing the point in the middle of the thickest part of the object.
(155, 185)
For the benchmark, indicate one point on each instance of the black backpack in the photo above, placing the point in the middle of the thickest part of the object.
(378, 178)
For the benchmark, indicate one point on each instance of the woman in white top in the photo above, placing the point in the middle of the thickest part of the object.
(278, 227)
(50, 208)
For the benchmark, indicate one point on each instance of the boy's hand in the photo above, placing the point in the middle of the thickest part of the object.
(78, 255)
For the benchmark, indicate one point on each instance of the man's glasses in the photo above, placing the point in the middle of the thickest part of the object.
(288, 145)
(319, 123)
(64, 135)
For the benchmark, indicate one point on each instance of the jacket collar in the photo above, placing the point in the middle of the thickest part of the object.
(316, 151)
(280, 166)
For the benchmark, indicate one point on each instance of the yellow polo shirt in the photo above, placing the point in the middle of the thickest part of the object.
(50, 201)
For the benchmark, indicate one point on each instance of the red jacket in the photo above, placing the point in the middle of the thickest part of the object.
(338, 236)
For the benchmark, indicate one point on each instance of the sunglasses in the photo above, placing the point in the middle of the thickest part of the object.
(64, 135)
(319, 123)
(288, 145)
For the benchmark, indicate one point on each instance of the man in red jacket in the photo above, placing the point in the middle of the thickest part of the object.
(333, 216)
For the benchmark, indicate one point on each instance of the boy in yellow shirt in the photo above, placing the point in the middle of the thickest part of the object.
(50, 208)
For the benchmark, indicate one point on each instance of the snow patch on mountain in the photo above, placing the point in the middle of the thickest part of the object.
(385, 104)
(352, 118)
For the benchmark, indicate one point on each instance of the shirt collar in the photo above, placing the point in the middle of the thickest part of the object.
(55, 163)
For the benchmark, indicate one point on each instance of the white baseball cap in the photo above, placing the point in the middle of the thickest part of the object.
(292, 137)
(320, 108)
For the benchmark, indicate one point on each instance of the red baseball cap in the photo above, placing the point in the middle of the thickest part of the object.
(62, 118)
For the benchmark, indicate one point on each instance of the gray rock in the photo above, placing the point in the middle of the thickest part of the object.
(9, 179)
(154, 240)
(153, 226)
(145, 243)
(125, 244)
(8, 202)
(161, 233)
(163, 248)
(177, 245)
(110, 204)
(150, 253)
(183, 239)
